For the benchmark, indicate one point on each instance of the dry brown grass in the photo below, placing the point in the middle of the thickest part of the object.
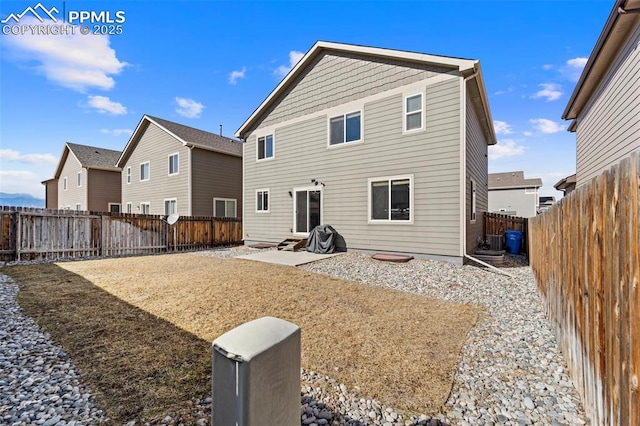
(397, 347)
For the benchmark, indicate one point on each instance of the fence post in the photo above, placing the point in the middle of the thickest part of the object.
(101, 240)
(18, 235)
(213, 232)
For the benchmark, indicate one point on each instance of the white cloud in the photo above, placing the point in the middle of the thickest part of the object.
(189, 108)
(117, 132)
(546, 126)
(573, 68)
(236, 75)
(11, 155)
(502, 127)
(505, 148)
(550, 92)
(526, 133)
(21, 182)
(104, 105)
(75, 61)
(547, 67)
(509, 89)
(294, 58)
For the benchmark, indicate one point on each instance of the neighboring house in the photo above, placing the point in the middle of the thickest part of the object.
(510, 193)
(566, 185)
(605, 105)
(170, 168)
(86, 179)
(545, 203)
(387, 146)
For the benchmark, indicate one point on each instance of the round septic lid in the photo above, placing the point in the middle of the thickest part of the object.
(392, 257)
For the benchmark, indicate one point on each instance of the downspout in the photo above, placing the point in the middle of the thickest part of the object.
(189, 178)
(463, 161)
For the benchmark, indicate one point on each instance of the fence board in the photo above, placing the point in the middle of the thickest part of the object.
(33, 233)
(586, 258)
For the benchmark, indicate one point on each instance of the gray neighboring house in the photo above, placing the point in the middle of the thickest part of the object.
(510, 193)
(86, 179)
(387, 146)
(605, 104)
(567, 185)
(172, 168)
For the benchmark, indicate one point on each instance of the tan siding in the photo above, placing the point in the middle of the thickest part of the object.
(103, 188)
(477, 168)
(609, 128)
(154, 146)
(51, 194)
(74, 194)
(334, 79)
(215, 175)
(431, 156)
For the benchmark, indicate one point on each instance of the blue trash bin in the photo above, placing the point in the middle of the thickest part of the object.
(513, 241)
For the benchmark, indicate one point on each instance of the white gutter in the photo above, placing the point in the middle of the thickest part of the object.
(463, 162)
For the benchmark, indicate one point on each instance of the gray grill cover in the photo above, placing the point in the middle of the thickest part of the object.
(324, 239)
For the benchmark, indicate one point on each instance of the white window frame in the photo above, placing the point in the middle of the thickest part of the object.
(473, 189)
(148, 163)
(263, 190)
(129, 175)
(411, 201)
(177, 155)
(273, 146)
(344, 133)
(235, 206)
(165, 205)
(407, 113)
(142, 205)
(115, 204)
(78, 206)
(64, 183)
(129, 207)
(79, 178)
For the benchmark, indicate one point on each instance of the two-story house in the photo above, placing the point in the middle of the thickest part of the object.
(86, 178)
(169, 168)
(510, 193)
(387, 146)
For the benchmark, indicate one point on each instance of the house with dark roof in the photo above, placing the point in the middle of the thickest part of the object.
(510, 193)
(387, 146)
(170, 168)
(604, 107)
(86, 178)
(567, 184)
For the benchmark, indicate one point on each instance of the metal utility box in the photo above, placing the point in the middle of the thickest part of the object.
(256, 374)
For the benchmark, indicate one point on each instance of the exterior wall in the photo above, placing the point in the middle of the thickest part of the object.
(104, 188)
(155, 146)
(608, 127)
(215, 175)
(334, 79)
(51, 194)
(514, 201)
(74, 194)
(301, 153)
(477, 169)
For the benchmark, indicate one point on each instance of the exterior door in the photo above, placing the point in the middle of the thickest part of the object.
(307, 210)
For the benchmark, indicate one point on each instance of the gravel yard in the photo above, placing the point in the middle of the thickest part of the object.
(510, 371)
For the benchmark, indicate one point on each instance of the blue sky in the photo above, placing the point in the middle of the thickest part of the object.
(207, 63)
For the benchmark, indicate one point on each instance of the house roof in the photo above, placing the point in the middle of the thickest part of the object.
(511, 180)
(188, 136)
(90, 157)
(468, 67)
(615, 32)
(565, 183)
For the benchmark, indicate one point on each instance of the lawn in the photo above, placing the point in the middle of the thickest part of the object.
(141, 328)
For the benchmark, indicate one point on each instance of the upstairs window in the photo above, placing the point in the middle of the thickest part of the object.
(265, 147)
(144, 171)
(173, 164)
(128, 175)
(413, 112)
(64, 183)
(79, 179)
(345, 128)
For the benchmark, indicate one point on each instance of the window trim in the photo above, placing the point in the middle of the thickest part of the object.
(235, 206)
(273, 146)
(177, 154)
(263, 190)
(148, 177)
(164, 203)
(145, 203)
(78, 206)
(473, 188)
(411, 200)
(405, 113)
(79, 179)
(129, 207)
(115, 204)
(65, 186)
(344, 135)
(129, 175)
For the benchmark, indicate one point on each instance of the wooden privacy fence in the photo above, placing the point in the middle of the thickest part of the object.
(585, 256)
(496, 224)
(31, 234)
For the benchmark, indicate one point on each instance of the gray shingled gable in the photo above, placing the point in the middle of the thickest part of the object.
(200, 138)
(94, 157)
(512, 180)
